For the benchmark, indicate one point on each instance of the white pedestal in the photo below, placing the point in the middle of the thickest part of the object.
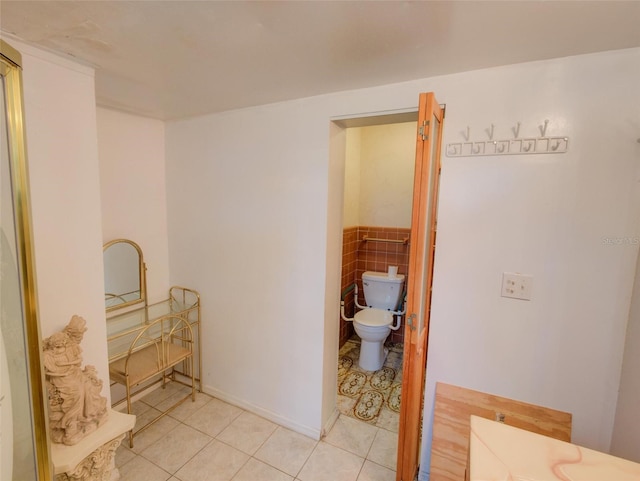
(93, 457)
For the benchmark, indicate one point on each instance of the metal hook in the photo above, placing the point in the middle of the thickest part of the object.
(543, 129)
(476, 149)
(490, 132)
(500, 148)
(467, 134)
(516, 131)
(527, 148)
(555, 147)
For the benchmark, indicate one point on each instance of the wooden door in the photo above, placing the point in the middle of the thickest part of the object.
(419, 282)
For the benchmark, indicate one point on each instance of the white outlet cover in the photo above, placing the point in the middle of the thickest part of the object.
(517, 286)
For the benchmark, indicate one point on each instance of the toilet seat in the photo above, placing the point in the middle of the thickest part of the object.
(373, 317)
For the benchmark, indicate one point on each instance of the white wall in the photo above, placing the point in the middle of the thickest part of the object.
(379, 167)
(386, 182)
(352, 177)
(133, 190)
(248, 229)
(548, 216)
(251, 197)
(625, 442)
(60, 115)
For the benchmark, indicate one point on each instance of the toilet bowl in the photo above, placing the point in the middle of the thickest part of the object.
(373, 327)
(374, 322)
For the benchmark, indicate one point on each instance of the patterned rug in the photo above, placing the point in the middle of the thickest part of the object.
(373, 397)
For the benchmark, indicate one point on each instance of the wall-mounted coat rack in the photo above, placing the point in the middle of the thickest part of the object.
(515, 146)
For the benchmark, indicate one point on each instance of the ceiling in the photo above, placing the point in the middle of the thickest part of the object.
(176, 59)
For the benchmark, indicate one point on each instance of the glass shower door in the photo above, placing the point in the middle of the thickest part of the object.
(24, 453)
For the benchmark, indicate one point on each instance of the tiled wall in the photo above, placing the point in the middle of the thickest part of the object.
(349, 266)
(359, 256)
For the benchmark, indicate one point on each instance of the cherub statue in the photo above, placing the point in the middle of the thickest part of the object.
(76, 407)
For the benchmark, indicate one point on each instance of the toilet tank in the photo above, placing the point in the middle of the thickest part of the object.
(382, 291)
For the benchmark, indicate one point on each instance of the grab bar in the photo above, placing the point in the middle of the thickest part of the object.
(397, 313)
(348, 290)
(389, 241)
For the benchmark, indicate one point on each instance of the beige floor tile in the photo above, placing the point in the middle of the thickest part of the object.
(346, 404)
(330, 463)
(256, 470)
(213, 417)
(352, 435)
(172, 451)
(247, 432)
(394, 397)
(363, 394)
(384, 450)
(394, 360)
(177, 395)
(159, 394)
(286, 450)
(187, 408)
(388, 419)
(144, 415)
(123, 453)
(375, 472)
(154, 432)
(279, 454)
(216, 462)
(138, 408)
(139, 469)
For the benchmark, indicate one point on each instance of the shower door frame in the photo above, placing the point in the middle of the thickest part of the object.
(11, 71)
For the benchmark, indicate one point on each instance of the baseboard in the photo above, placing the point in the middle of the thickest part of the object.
(271, 416)
(330, 422)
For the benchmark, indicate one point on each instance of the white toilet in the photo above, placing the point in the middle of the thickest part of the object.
(374, 322)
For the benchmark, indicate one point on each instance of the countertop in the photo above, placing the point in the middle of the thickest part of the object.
(501, 452)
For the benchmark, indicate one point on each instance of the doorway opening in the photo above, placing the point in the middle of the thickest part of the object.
(379, 163)
(428, 141)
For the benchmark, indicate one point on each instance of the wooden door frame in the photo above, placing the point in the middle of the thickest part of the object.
(425, 203)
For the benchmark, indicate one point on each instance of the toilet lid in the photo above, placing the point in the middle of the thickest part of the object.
(373, 317)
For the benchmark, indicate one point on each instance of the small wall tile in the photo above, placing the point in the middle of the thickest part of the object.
(359, 256)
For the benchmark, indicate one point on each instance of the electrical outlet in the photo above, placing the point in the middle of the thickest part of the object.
(516, 286)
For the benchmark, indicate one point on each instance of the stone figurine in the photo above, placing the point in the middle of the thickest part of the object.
(76, 407)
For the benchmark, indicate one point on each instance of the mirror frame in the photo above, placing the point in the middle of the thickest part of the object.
(11, 71)
(142, 268)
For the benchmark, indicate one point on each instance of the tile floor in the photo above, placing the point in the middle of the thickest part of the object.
(370, 396)
(210, 440)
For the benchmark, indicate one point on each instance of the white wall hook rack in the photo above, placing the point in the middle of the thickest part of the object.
(515, 146)
(490, 132)
(543, 128)
(516, 131)
(537, 145)
(466, 134)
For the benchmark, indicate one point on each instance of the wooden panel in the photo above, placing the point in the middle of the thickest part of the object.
(453, 407)
(419, 283)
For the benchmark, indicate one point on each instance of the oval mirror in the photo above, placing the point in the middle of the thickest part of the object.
(124, 274)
